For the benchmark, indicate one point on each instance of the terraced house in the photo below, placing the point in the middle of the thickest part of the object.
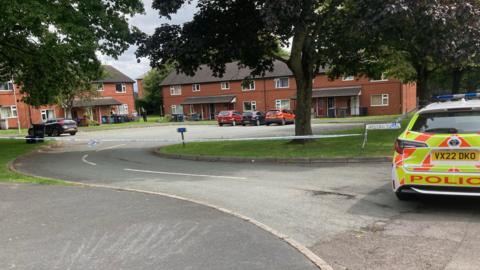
(206, 95)
(115, 96)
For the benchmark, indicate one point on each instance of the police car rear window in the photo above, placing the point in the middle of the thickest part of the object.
(448, 122)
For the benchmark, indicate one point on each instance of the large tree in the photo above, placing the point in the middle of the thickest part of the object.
(431, 36)
(153, 99)
(253, 33)
(45, 45)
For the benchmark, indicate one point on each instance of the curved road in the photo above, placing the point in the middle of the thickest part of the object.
(345, 214)
(55, 227)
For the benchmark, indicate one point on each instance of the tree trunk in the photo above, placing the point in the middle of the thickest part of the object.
(424, 94)
(301, 63)
(303, 111)
(457, 75)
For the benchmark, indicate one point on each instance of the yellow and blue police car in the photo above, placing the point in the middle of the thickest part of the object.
(439, 152)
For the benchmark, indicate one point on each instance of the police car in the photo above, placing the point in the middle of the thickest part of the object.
(439, 152)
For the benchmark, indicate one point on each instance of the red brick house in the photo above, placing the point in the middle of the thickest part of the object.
(350, 96)
(115, 95)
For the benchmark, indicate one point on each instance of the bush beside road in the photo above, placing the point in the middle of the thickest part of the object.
(11, 149)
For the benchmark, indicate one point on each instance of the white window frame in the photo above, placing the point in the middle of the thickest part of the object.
(225, 85)
(253, 106)
(278, 80)
(175, 90)
(12, 114)
(8, 86)
(175, 108)
(278, 104)
(100, 87)
(385, 100)
(250, 84)
(44, 115)
(124, 88)
(122, 109)
(383, 78)
(196, 87)
(348, 78)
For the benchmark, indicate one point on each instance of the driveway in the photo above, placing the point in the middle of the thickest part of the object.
(345, 214)
(55, 227)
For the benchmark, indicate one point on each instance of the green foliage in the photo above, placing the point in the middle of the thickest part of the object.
(47, 46)
(153, 99)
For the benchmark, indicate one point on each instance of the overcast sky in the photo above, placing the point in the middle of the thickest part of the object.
(127, 63)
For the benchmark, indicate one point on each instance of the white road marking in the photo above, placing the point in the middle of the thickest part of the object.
(110, 147)
(84, 159)
(187, 174)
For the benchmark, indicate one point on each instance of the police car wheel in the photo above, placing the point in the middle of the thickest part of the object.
(402, 196)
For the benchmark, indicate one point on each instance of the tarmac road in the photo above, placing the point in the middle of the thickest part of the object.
(55, 227)
(345, 214)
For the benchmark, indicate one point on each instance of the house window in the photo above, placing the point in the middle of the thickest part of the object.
(380, 100)
(177, 109)
(282, 104)
(281, 82)
(225, 85)
(8, 112)
(249, 106)
(382, 78)
(6, 86)
(120, 88)
(196, 87)
(348, 78)
(122, 109)
(99, 86)
(248, 85)
(47, 115)
(176, 90)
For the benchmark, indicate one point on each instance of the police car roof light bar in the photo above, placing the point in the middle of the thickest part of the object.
(471, 95)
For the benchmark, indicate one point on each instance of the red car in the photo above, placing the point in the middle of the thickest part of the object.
(229, 117)
(280, 117)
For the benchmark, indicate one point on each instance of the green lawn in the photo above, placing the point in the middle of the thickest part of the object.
(380, 144)
(151, 121)
(358, 119)
(11, 149)
(13, 132)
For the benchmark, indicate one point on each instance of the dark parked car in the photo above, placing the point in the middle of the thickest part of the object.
(57, 127)
(253, 118)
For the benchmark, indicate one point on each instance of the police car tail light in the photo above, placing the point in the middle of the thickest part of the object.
(400, 145)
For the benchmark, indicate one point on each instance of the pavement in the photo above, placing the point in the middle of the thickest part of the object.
(58, 227)
(346, 214)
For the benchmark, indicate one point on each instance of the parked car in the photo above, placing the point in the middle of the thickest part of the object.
(230, 118)
(281, 117)
(439, 152)
(254, 118)
(57, 127)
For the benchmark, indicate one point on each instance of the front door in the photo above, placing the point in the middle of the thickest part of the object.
(331, 107)
(212, 111)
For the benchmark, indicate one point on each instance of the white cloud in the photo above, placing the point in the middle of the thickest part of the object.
(148, 22)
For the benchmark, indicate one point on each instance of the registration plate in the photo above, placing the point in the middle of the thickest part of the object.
(456, 155)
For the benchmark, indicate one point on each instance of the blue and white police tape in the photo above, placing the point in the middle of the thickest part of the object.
(95, 141)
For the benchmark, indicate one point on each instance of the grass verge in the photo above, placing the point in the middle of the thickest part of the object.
(358, 119)
(380, 144)
(151, 121)
(11, 149)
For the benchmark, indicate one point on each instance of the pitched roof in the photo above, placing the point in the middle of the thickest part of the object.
(113, 75)
(106, 101)
(209, 100)
(232, 73)
(337, 92)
